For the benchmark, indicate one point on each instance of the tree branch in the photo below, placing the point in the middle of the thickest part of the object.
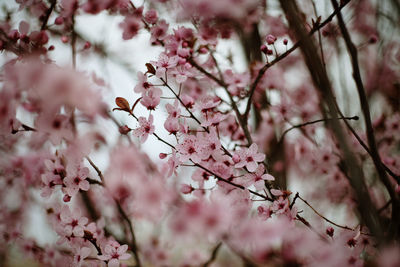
(262, 71)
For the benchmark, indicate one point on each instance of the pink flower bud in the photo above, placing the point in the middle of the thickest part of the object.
(186, 189)
(181, 61)
(162, 155)
(203, 50)
(373, 39)
(285, 41)
(51, 48)
(264, 49)
(124, 129)
(270, 39)
(67, 198)
(236, 158)
(64, 39)
(14, 35)
(330, 231)
(59, 21)
(87, 45)
(42, 38)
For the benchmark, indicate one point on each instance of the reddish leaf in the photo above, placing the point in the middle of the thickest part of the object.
(122, 103)
(150, 68)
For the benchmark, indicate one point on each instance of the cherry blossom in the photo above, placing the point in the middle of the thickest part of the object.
(159, 31)
(164, 63)
(76, 179)
(249, 157)
(145, 129)
(143, 85)
(81, 254)
(130, 27)
(73, 223)
(151, 98)
(233, 83)
(189, 149)
(258, 177)
(113, 252)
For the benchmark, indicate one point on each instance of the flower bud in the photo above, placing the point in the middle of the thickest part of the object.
(186, 189)
(270, 39)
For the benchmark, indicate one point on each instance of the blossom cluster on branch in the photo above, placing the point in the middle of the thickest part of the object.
(293, 160)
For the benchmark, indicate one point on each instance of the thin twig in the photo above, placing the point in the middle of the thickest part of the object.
(231, 183)
(352, 50)
(47, 15)
(99, 173)
(213, 255)
(326, 219)
(312, 122)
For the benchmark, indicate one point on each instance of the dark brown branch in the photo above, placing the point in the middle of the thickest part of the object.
(73, 41)
(352, 50)
(231, 183)
(321, 81)
(361, 142)
(262, 71)
(326, 219)
(99, 173)
(47, 15)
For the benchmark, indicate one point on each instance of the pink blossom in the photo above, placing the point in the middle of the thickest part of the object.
(172, 164)
(159, 31)
(210, 144)
(151, 16)
(81, 255)
(164, 63)
(187, 101)
(113, 252)
(173, 110)
(258, 177)
(249, 157)
(214, 119)
(57, 127)
(281, 205)
(172, 125)
(52, 177)
(143, 85)
(264, 212)
(189, 149)
(270, 39)
(73, 223)
(145, 129)
(181, 73)
(186, 189)
(151, 98)
(208, 103)
(76, 179)
(130, 27)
